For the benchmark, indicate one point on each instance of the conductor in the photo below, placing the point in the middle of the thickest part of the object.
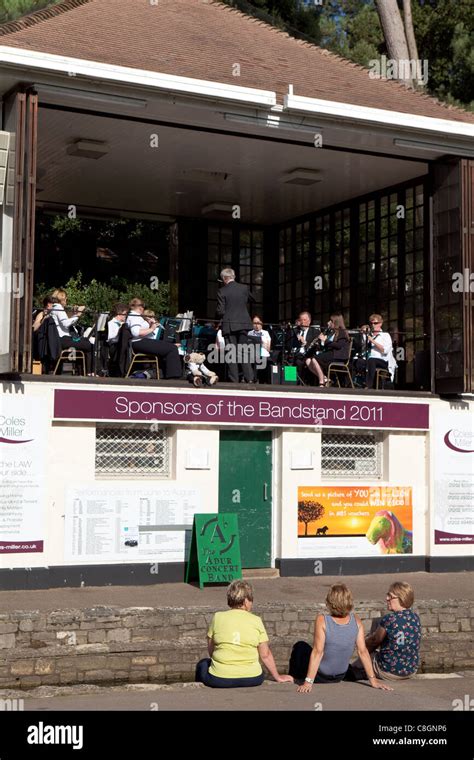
(232, 308)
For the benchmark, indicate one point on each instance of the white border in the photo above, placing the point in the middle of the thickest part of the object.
(31, 59)
(379, 116)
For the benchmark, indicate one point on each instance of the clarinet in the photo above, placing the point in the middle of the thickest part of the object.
(316, 344)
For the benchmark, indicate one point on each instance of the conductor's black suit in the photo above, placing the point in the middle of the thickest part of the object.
(232, 309)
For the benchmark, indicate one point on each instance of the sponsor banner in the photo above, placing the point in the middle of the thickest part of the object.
(23, 426)
(226, 408)
(453, 469)
(351, 521)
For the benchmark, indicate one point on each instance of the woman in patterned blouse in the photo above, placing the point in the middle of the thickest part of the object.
(395, 643)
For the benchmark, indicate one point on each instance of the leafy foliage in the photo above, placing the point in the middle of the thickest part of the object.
(13, 9)
(101, 296)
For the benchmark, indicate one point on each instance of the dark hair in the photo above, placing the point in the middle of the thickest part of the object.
(117, 308)
(47, 300)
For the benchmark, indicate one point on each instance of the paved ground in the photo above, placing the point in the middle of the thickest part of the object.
(425, 692)
(439, 586)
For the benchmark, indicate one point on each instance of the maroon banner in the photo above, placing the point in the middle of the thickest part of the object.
(441, 537)
(202, 407)
(10, 547)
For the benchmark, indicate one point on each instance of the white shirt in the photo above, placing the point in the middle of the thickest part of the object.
(266, 340)
(387, 354)
(135, 323)
(303, 335)
(113, 330)
(62, 321)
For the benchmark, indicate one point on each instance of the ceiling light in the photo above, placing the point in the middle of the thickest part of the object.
(301, 177)
(88, 149)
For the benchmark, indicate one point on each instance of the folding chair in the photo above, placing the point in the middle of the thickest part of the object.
(381, 377)
(71, 355)
(144, 359)
(341, 368)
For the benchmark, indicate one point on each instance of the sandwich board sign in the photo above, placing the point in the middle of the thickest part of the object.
(215, 549)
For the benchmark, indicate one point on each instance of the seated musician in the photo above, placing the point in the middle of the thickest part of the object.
(143, 341)
(379, 350)
(68, 335)
(334, 347)
(43, 313)
(118, 318)
(265, 342)
(301, 337)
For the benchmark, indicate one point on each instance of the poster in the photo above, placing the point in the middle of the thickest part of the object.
(23, 426)
(129, 522)
(453, 469)
(354, 521)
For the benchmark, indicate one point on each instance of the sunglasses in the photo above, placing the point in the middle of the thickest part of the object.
(375, 323)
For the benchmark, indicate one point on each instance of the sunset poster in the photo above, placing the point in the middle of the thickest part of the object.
(335, 521)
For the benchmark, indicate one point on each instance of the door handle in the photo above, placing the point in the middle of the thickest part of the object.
(265, 492)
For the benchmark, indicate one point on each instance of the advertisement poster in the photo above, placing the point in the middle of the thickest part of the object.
(454, 478)
(128, 522)
(23, 426)
(353, 521)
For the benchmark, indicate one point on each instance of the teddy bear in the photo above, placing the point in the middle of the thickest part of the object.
(196, 371)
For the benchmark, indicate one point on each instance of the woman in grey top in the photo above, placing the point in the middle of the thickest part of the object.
(335, 636)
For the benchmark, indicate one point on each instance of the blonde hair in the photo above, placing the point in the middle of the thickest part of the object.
(378, 317)
(238, 592)
(148, 313)
(59, 295)
(339, 600)
(134, 303)
(404, 593)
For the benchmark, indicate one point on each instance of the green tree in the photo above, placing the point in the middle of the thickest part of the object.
(13, 9)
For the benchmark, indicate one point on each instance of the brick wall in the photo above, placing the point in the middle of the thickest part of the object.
(108, 644)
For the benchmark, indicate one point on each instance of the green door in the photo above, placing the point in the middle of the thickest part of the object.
(245, 487)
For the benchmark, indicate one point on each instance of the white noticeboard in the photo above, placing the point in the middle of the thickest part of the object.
(129, 522)
(23, 427)
(454, 478)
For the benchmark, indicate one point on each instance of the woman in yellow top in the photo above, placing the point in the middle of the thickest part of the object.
(236, 639)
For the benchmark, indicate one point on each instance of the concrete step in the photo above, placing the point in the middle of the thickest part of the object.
(255, 573)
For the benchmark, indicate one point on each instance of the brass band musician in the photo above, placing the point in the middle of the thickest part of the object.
(333, 345)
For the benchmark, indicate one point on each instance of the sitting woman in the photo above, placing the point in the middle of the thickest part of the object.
(68, 336)
(335, 636)
(235, 641)
(144, 332)
(395, 643)
(335, 349)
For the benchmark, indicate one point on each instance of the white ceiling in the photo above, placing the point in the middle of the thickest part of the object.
(134, 176)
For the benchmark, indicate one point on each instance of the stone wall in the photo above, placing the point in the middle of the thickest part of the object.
(140, 644)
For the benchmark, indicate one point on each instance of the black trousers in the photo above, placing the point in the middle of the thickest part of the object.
(203, 676)
(370, 365)
(299, 663)
(235, 339)
(80, 345)
(166, 351)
